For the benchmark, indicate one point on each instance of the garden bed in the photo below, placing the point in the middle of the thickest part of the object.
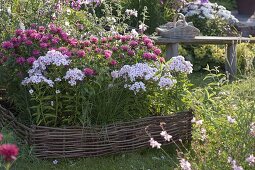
(66, 142)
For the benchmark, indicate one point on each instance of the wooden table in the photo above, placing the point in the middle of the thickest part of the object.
(230, 42)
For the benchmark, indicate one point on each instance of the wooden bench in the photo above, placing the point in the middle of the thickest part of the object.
(230, 42)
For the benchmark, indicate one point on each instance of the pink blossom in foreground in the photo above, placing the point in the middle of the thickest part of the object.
(9, 152)
(154, 144)
(185, 165)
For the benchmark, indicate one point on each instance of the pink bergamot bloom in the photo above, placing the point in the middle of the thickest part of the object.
(9, 152)
(88, 72)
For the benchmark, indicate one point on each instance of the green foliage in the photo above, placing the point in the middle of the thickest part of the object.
(204, 55)
(229, 4)
(158, 14)
(245, 57)
(213, 105)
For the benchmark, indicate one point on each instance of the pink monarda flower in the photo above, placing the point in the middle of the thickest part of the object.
(43, 45)
(41, 29)
(117, 36)
(63, 49)
(107, 54)
(33, 25)
(147, 41)
(68, 53)
(103, 39)
(110, 38)
(162, 60)
(36, 36)
(7, 45)
(73, 42)
(45, 38)
(20, 60)
(147, 56)
(80, 53)
(157, 51)
(150, 45)
(55, 40)
(123, 38)
(154, 57)
(63, 36)
(86, 43)
(14, 40)
(131, 53)
(53, 28)
(29, 32)
(9, 152)
(128, 37)
(114, 48)
(94, 40)
(28, 42)
(88, 72)
(133, 43)
(98, 50)
(124, 47)
(35, 52)
(18, 32)
(113, 62)
(31, 60)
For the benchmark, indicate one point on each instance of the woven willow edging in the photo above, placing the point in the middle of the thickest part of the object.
(49, 142)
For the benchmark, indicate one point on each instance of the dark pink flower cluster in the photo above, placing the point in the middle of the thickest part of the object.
(8, 151)
(115, 51)
(27, 45)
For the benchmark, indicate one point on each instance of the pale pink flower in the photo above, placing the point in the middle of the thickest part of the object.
(199, 122)
(154, 143)
(250, 160)
(185, 165)
(166, 136)
(231, 120)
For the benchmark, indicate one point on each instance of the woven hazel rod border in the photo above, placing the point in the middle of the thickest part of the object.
(69, 142)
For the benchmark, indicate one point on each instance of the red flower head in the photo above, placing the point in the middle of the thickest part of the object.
(113, 62)
(88, 72)
(107, 54)
(9, 152)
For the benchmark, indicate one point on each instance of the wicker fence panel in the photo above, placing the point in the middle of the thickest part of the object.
(66, 142)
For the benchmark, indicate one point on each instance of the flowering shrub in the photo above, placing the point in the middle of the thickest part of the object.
(210, 18)
(65, 78)
(207, 10)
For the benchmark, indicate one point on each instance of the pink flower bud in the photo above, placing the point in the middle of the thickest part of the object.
(107, 54)
(80, 53)
(88, 72)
